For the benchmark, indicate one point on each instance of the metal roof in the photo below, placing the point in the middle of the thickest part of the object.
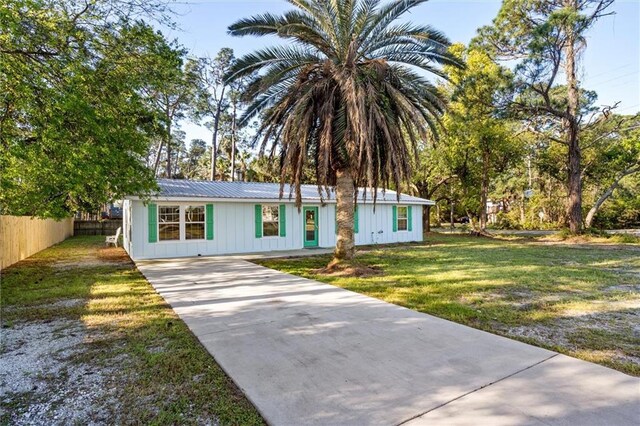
(177, 188)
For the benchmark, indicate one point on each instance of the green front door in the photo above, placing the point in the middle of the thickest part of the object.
(310, 226)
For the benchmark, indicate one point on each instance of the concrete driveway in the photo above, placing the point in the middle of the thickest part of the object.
(307, 353)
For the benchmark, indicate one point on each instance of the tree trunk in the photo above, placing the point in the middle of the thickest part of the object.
(214, 137)
(426, 219)
(453, 224)
(233, 143)
(158, 155)
(574, 182)
(423, 190)
(168, 171)
(345, 246)
(214, 148)
(484, 190)
(589, 220)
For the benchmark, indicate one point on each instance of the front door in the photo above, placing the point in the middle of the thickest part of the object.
(310, 226)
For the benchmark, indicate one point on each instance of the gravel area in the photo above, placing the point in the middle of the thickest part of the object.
(575, 328)
(42, 381)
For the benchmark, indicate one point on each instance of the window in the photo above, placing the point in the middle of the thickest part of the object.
(270, 223)
(194, 223)
(402, 218)
(168, 223)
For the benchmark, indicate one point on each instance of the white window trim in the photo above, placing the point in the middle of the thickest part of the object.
(398, 219)
(277, 206)
(183, 223)
(158, 223)
(183, 238)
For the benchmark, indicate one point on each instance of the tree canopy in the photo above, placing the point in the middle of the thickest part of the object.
(75, 124)
(344, 95)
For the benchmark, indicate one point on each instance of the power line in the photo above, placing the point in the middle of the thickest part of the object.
(628, 107)
(610, 71)
(615, 78)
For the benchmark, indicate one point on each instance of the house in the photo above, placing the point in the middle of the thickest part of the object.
(202, 218)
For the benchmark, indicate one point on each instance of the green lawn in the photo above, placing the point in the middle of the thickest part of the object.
(142, 363)
(581, 300)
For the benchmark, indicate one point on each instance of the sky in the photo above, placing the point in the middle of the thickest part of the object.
(610, 64)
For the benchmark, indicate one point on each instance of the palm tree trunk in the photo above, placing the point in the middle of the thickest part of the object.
(345, 190)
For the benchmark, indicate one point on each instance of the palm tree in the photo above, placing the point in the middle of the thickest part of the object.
(348, 95)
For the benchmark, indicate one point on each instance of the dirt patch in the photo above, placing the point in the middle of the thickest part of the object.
(104, 256)
(349, 269)
(114, 255)
(43, 382)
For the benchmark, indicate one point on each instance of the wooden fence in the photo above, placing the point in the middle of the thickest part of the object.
(96, 227)
(22, 236)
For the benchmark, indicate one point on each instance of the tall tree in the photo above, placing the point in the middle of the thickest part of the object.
(546, 37)
(480, 140)
(211, 95)
(171, 93)
(74, 125)
(193, 160)
(345, 96)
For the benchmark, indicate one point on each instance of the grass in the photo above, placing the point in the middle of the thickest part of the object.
(164, 375)
(581, 300)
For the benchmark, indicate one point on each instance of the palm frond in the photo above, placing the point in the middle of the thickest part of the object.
(351, 93)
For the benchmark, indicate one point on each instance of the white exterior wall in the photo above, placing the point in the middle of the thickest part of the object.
(126, 225)
(234, 232)
(377, 227)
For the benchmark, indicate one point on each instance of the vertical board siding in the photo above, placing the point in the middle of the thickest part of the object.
(23, 236)
(235, 230)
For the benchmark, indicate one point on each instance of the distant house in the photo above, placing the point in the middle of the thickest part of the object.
(193, 218)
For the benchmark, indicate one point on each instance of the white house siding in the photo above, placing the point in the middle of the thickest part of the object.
(377, 227)
(126, 225)
(234, 230)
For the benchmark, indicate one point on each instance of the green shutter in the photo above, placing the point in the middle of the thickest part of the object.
(395, 218)
(282, 218)
(258, 210)
(153, 222)
(409, 218)
(355, 219)
(209, 219)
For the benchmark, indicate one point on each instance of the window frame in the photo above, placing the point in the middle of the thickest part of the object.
(405, 218)
(183, 215)
(277, 210)
(179, 222)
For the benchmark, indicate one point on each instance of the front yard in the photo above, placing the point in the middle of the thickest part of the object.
(581, 300)
(87, 340)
